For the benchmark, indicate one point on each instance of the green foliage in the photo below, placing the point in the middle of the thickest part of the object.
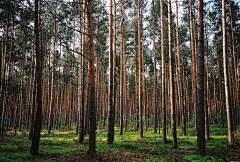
(153, 159)
(8, 146)
(198, 158)
(13, 152)
(18, 156)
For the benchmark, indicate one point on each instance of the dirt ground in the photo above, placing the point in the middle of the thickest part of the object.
(119, 156)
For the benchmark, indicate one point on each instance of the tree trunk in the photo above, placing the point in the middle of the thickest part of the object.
(143, 84)
(164, 138)
(171, 80)
(193, 65)
(33, 98)
(110, 83)
(114, 64)
(200, 84)
(206, 101)
(182, 108)
(155, 76)
(206, 107)
(121, 71)
(136, 76)
(220, 86)
(139, 72)
(234, 78)
(81, 76)
(92, 134)
(226, 81)
(2, 74)
(52, 85)
(38, 120)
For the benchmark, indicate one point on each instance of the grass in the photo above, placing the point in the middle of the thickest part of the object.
(59, 145)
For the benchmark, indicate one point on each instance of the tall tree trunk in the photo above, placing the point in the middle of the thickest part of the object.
(124, 90)
(143, 84)
(164, 137)
(182, 108)
(92, 134)
(139, 71)
(110, 83)
(230, 88)
(21, 87)
(171, 81)
(31, 90)
(193, 65)
(81, 76)
(87, 111)
(136, 71)
(114, 63)
(220, 86)
(3, 73)
(155, 77)
(206, 106)
(38, 120)
(235, 81)
(121, 71)
(226, 81)
(200, 84)
(206, 101)
(52, 85)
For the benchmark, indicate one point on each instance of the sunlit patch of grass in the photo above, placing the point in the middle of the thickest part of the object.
(65, 143)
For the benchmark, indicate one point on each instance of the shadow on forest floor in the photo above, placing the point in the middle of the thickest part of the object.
(64, 146)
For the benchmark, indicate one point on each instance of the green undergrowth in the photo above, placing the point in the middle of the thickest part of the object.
(62, 144)
(198, 158)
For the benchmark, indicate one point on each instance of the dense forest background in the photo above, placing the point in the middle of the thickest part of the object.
(91, 65)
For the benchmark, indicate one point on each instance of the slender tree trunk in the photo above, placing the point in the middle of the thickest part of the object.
(87, 112)
(171, 81)
(52, 85)
(214, 97)
(33, 99)
(114, 64)
(164, 138)
(235, 81)
(125, 101)
(136, 75)
(226, 81)
(30, 90)
(155, 77)
(38, 120)
(220, 86)
(92, 134)
(200, 84)
(139, 71)
(206, 106)
(2, 74)
(110, 83)
(121, 71)
(206, 101)
(193, 65)
(21, 87)
(230, 89)
(143, 84)
(81, 77)
(182, 108)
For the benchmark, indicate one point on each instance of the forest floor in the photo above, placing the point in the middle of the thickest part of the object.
(62, 145)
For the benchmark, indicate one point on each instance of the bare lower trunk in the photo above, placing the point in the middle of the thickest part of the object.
(164, 138)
